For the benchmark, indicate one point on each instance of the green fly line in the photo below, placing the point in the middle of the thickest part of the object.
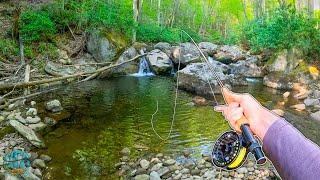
(210, 68)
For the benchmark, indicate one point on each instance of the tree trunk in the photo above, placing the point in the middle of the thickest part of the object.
(174, 12)
(82, 74)
(137, 7)
(159, 12)
(311, 8)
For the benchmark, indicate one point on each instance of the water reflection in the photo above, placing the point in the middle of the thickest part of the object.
(110, 115)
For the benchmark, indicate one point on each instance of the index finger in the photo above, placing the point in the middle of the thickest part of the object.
(230, 96)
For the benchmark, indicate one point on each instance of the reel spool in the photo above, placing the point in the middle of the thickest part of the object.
(231, 149)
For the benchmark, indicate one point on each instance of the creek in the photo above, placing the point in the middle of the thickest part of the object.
(104, 116)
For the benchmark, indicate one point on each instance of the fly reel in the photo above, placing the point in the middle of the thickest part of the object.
(231, 149)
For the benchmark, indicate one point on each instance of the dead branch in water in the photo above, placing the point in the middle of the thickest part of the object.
(89, 76)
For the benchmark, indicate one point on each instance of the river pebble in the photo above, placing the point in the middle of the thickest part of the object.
(144, 164)
(154, 167)
(142, 177)
(39, 163)
(154, 176)
(45, 157)
(169, 162)
(31, 112)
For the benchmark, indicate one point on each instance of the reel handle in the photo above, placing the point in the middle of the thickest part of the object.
(253, 144)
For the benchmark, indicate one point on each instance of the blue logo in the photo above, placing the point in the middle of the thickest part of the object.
(17, 161)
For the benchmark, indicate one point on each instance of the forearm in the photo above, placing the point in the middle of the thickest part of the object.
(293, 155)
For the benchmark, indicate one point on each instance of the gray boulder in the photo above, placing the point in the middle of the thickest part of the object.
(229, 53)
(164, 47)
(208, 48)
(100, 47)
(54, 106)
(247, 68)
(128, 68)
(195, 77)
(187, 53)
(285, 61)
(27, 132)
(160, 62)
(277, 81)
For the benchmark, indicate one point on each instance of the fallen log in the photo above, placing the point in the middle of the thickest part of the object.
(82, 74)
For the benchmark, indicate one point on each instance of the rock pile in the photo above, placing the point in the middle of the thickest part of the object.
(159, 166)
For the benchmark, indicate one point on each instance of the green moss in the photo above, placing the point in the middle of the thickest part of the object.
(6, 130)
(301, 68)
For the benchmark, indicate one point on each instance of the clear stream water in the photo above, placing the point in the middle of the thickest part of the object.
(105, 116)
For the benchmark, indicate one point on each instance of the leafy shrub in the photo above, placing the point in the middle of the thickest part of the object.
(8, 49)
(36, 26)
(284, 28)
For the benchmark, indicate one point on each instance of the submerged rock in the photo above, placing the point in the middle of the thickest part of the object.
(160, 62)
(201, 101)
(299, 107)
(49, 121)
(286, 94)
(27, 132)
(45, 157)
(39, 163)
(315, 116)
(54, 106)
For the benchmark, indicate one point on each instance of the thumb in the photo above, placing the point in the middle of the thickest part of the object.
(230, 96)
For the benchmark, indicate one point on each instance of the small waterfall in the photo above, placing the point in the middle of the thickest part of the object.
(144, 69)
(173, 71)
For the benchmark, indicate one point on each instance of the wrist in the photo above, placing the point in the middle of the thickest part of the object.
(267, 118)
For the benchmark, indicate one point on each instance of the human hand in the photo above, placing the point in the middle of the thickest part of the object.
(243, 108)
